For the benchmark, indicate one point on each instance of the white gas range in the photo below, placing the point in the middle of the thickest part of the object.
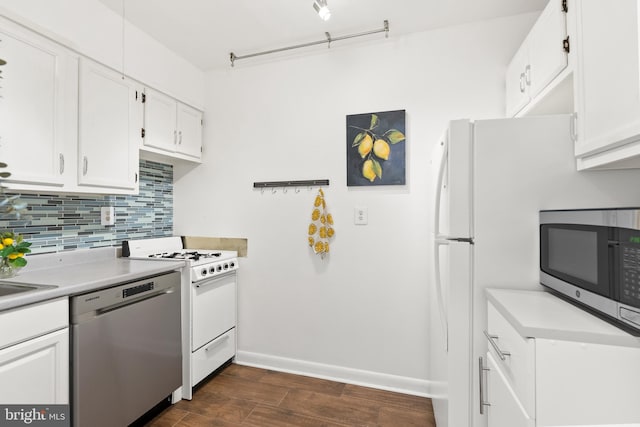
(208, 303)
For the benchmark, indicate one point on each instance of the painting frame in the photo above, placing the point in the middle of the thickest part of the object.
(376, 148)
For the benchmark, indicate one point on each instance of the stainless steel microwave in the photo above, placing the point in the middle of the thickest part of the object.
(592, 257)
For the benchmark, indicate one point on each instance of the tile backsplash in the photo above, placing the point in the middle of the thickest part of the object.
(64, 222)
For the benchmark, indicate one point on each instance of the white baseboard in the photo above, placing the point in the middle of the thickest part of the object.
(360, 377)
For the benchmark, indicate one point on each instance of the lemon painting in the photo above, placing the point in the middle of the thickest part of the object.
(376, 148)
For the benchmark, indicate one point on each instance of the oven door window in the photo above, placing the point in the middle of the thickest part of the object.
(577, 254)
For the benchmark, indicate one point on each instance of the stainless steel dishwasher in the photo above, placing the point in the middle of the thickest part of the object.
(126, 354)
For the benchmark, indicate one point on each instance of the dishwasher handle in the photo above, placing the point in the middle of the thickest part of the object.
(133, 301)
(87, 306)
(90, 315)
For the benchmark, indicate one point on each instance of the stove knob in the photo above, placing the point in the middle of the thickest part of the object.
(232, 264)
(226, 266)
(219, 268)
(212, 270)
(204, 272)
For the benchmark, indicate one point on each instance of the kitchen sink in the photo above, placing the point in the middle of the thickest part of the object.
(14, 288)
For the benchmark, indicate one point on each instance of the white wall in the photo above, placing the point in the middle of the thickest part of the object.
(364, 307)
(94, 30)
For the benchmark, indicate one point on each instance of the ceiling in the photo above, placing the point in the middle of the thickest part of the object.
(205, 31)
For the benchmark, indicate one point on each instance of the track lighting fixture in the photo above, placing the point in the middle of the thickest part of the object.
(323, 10)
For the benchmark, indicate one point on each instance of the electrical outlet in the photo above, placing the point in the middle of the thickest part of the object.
(360, 215)
(107, 215)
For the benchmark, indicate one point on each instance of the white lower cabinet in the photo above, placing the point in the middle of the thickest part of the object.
(535, 381)
(34, 354)
(506, 410)
(36, 371)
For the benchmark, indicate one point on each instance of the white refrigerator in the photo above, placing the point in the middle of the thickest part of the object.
(490, 180)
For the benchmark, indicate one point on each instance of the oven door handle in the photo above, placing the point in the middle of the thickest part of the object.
(212, 280)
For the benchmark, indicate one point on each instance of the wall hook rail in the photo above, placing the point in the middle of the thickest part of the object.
(328, 40)
(303, 183)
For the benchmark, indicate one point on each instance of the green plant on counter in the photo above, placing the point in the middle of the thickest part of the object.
(12, 249)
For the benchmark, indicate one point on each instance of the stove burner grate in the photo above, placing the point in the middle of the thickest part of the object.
(192, 255)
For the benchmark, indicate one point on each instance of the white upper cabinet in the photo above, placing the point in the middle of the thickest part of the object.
(37, 109)
(189, 131)
(110, 114)
(67, 124)
(607, 84)
(159, 121)
(517, 91)
(171, 127)
(540, 59)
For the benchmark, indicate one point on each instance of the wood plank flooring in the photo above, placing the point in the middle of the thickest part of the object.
(244, 396)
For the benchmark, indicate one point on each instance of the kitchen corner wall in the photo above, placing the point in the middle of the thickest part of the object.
(63, 222)
(360, 315)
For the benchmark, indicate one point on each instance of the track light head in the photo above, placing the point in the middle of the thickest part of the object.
(323, 10)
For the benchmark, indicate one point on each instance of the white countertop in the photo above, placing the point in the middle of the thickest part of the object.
(78, 272)
(540, 314)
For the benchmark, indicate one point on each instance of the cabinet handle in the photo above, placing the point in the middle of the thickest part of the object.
(217, 344)
(492, 339)
(527, 75)
(136, 177)
(61, 163)
(574, 127)
(521, 82)
(481, 371)
(180, 137)
(175, 137)
(85, 165)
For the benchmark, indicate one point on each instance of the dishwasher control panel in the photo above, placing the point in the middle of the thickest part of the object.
(135, 290)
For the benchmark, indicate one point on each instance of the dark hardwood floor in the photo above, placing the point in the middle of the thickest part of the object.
(244, 396)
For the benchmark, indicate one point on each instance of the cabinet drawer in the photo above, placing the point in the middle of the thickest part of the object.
(23, 323)
(518, 366)
(211, 356)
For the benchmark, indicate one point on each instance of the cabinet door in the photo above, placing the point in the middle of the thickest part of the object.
(505, 409)
(189, 131)
(110, 125)
(37, 89)
(608, 84)
(160, 121)
(546, 53)
(580, 383)
(36, 371)
(517, 91)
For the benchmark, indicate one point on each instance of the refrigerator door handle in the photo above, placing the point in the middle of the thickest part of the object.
(438, 195)
(444, 318)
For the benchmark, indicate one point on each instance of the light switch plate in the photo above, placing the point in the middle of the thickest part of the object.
(107, 215)
(360, 215)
